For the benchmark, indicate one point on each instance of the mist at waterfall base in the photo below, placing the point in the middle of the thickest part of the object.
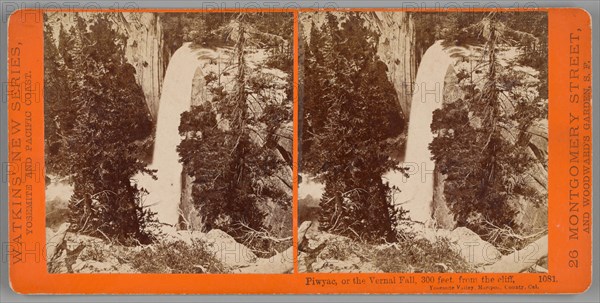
(164, 193)
(415, 192)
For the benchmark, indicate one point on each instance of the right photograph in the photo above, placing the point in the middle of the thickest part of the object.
(423, 142)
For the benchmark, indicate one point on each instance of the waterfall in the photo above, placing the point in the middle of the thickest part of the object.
(164, 194)
(416, 194)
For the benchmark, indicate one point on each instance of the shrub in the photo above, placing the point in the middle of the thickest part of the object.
(483, 186)
(345, 86)
(231, 146)
(178, 258)
(96, 117)
(420, 255)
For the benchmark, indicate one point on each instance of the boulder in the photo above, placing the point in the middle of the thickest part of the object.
(227, 250)
(54, 240)
(325, 252)
(521, 260)
(303, 230)
(280, 263)
(472, 248)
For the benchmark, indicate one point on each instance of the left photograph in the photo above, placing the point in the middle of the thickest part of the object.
(168, 142)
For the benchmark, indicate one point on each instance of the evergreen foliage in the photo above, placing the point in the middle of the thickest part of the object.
(350, 111)
(483, 138)
(231, 147)
(93, 127)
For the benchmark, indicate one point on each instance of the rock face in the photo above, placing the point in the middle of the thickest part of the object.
(442, 215)
(396, 49)
(441, 212)
(144, 51)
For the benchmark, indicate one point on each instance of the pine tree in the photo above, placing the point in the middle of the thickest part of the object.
(481, 187)
(231, 148)
(350, 112)
(101, 119)
(55, 103)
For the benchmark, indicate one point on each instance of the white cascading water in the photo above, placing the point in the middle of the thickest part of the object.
(416, 194)
(164, 194)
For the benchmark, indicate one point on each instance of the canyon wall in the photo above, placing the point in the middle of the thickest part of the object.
(395, 47)
(144, 51)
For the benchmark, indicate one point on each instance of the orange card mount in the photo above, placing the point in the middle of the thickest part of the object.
(300, 151)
